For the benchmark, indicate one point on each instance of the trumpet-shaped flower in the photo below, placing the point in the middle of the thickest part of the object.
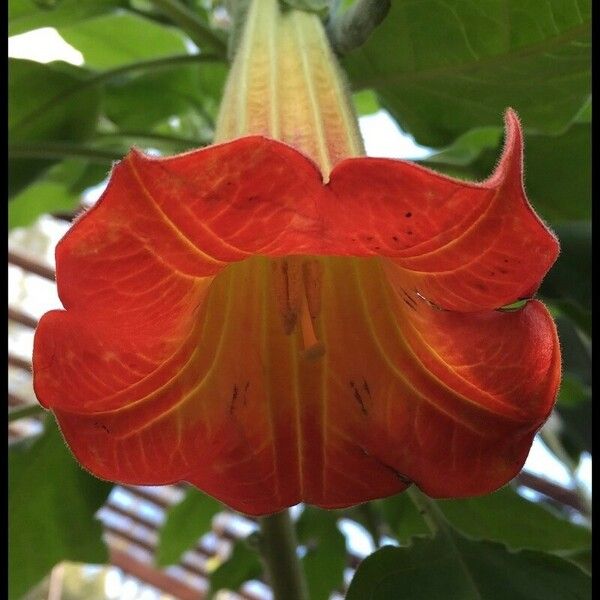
(277, 319)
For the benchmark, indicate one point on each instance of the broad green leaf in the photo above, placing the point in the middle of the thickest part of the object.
(25, 15)
(503, 516)
(117, 39)
(572, 392)
(568, 284)
(506, 517)
(444, 67)
(51, 507)
(451, 567)
(403, 518)
(574, 400)
(46, 103)
(242, 565)
(467, 148)
(325, 557)
(186, 523)
(557, 168)
(58, 190)
(191, 91)
(558, 174)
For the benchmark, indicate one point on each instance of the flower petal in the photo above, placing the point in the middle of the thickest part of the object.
(463, 246)
(404, 392)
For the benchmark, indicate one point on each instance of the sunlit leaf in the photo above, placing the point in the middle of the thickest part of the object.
(186, 522)
(51, 506)
(442, 68)
(454, 567)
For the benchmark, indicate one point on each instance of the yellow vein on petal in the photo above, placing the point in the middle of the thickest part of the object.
(165, 218)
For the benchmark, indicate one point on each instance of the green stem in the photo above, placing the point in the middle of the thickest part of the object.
(198, 31)
(144, 135)
(429, 510)
(278, 547)
(62, 150)
(28, 410)
(372, 521)
(155, 63)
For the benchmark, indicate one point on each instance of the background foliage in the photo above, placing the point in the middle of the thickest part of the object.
(445, 70)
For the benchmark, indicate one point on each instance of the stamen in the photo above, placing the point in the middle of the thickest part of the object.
(297, 287)
(313, 348)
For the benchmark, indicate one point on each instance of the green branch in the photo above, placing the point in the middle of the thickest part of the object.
(187, 20)
(160, 137)
(52, 150)
(429, 510)
(278, 547)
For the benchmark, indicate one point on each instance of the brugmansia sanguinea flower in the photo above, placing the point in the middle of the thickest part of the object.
(285, 321)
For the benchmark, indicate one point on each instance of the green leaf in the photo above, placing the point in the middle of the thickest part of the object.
(186, 523)
(557, 168)
(400, 513)
(242, 565)
(51, 507)
(118, 39)
(574, 401)
(193, 92)
(468, 147)
(558, 174)
(503, 516)
(25, 15)
(46, 104)
(506, 517)
(365, 102)
(444, 67)
(325, 557)
(59, 190)
(451, 567)
(569, 284)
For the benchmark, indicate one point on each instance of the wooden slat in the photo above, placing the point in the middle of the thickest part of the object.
(30, 265)
(14, 314)
(158, 579)
(19, 363)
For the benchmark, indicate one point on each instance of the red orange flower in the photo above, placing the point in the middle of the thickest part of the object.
(233, 321)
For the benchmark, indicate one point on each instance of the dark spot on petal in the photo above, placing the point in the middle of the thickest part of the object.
(366, 387)
(408, 215)
(234, 396)
(409, 232)
(99, 425)
(395, 238)
(358, 398)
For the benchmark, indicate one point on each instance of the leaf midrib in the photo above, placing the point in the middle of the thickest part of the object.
(383, 80)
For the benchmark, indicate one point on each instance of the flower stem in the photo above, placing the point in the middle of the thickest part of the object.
(278, 546)
(198, 31)
(429, 510)
(62, 150)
